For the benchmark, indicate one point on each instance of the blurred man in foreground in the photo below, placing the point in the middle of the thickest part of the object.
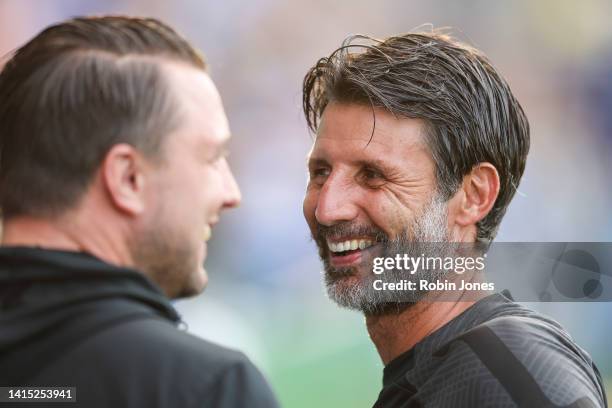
(112, 175)
(420, 140)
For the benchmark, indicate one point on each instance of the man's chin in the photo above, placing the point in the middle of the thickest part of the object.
(195, 285)
(354, 292)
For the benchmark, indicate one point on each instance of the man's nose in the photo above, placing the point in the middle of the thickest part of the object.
(232, 196)
(335, 203)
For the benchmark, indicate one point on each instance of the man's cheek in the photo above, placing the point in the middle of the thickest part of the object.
(391, 221)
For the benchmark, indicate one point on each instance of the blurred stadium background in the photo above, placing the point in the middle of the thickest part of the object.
(265, 296)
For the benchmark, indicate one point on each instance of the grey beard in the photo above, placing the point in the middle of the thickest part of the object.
(428, 236)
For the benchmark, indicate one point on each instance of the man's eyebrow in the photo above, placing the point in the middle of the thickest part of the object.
(317, 161)
(377, 164)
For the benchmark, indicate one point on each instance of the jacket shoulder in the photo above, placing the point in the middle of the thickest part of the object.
(152, 354)
(527, 357)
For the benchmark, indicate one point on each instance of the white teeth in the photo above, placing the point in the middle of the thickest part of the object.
(349, 245)
(207, 233)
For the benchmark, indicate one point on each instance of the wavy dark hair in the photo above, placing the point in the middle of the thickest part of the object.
(470, 113)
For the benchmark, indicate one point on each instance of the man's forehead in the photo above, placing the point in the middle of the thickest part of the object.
(192, 81)
(199, 103)
(354, 122)
(357, 131)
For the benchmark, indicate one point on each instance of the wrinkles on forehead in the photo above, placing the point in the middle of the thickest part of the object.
(397, 145)
(378, 126)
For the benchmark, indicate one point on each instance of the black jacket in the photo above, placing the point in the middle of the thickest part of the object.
(69, 319)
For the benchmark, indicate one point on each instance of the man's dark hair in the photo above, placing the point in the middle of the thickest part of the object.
(74, 91)
(470, 113)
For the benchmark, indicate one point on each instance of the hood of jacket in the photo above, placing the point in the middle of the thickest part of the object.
(41, 290)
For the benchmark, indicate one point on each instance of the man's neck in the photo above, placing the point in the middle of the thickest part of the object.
(394, 334)
(64, 235)
(26, 231)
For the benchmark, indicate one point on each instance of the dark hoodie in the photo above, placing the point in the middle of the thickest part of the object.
(68, 319)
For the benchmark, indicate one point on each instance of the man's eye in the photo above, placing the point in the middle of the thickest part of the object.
(218, 158)
(371, 174)
(319, 173)
(372, 177)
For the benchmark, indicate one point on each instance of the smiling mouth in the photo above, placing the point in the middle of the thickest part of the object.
(340, 247)
(348, 252)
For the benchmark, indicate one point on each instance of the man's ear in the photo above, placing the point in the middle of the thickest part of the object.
(479, 189)
(123, 178)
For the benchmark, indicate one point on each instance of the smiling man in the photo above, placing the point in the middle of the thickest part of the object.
(112, 175)
(419, 140)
